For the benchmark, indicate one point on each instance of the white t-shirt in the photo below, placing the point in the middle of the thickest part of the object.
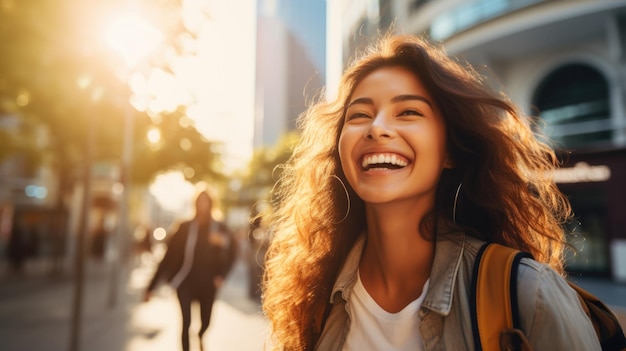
(373, 328)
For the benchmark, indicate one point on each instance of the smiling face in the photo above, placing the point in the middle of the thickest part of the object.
(393, 141)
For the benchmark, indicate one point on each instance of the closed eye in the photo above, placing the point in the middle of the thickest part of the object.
(411, 112)
(357, 115)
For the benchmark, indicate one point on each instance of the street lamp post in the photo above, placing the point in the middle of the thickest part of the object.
(83, 225)
(123, 207)
(133, 39)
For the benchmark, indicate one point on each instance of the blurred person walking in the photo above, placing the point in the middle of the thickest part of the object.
(99, 239)
(18, 247)
(198, 257)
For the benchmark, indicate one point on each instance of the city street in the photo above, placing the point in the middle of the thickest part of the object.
(36, 310)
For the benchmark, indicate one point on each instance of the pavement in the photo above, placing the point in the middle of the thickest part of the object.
(36, 311)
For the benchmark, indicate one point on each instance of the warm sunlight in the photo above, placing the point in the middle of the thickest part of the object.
(213, 78)
(132, 37)
(154, 135)
(173, 192)
(221, 75)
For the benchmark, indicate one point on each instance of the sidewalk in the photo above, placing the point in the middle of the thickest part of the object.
(236, 322)
(36, 310)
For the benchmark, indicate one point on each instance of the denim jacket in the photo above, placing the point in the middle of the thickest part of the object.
(551, 315)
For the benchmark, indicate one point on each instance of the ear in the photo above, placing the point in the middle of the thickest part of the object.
(449, 164)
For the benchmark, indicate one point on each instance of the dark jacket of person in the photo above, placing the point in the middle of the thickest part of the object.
(196, 264)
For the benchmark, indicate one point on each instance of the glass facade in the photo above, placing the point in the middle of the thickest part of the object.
(589, 247)
(573, 102)
(471, 13)
(416, 4)
(385, 13)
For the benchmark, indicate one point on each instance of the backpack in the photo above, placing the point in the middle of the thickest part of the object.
(495, 315)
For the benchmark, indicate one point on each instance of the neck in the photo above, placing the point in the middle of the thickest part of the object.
(397, 258)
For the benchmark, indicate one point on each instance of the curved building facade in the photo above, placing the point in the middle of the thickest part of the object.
(564, 63)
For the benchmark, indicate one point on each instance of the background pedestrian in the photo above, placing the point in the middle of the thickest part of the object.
(199, 255)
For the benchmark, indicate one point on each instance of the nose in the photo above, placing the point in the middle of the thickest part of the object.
(379, 129)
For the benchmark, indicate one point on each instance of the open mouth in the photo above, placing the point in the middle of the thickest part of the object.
(383, 162)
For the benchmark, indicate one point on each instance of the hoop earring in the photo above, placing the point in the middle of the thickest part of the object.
(347, 197)
(456, 199)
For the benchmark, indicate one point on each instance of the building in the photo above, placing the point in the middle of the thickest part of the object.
(290, 68)
(561, 60)
(33, 206)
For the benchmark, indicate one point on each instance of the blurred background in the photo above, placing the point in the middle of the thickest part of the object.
(112, 111)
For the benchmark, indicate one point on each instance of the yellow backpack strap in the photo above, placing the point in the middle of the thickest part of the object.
(493, 298)
(605, 323)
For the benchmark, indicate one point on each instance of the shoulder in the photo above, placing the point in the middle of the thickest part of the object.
(545, 301)
(536, 279)
(543, 290)
(180, 232)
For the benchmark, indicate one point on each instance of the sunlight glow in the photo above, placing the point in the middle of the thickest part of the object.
(172, 191)
(189, 172)
(220, 74)
(185, 144)
(83, 82)
(132, 37)
(213, 78)
(159, 234)
(23, 98)
(154, 135)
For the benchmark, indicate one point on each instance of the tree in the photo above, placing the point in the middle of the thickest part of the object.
(56, 73)
(264, 170)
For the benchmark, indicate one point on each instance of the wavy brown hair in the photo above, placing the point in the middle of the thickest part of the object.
(507, 196)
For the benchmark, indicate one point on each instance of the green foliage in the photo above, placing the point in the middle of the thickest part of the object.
(181, 148)
(19, 139)
(56, 73)
(264, 169)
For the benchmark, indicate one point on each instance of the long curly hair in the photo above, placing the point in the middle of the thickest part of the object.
(507, 194)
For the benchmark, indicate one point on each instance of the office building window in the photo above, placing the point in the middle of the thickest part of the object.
(385, 12)
(416, 4)
(471, 13)
(589, 251)
(573, 102)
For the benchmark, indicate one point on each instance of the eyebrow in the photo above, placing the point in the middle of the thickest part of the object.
(395, 99)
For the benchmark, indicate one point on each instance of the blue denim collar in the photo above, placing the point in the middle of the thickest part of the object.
(448, 253)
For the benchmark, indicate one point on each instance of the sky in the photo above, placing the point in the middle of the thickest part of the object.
(220, 79)
(302, 19)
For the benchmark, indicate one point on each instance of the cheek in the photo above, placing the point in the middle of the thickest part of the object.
(441, 149)
(345, 147)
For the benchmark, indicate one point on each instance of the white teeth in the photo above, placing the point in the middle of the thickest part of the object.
(383, 158)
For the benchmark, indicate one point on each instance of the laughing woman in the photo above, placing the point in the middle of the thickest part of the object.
(390, 193)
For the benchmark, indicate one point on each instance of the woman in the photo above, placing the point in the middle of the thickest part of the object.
(390, 193)
(198, 257)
